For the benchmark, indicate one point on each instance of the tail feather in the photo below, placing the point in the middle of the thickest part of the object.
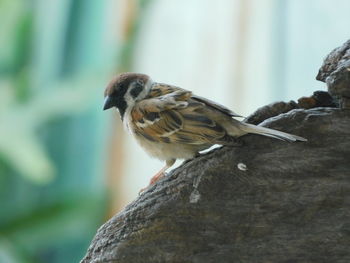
(250, 128)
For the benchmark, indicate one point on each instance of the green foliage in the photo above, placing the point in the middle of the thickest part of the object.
(52, 195)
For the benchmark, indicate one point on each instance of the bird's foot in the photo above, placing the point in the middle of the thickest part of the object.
(160, 174)
(156, 177)
(153, 180)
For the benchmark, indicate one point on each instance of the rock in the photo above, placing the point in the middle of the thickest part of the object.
(335, 71)
(270, 110)
(318, 99)
(266, 201)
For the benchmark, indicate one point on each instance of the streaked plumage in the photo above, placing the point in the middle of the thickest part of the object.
(171, 123)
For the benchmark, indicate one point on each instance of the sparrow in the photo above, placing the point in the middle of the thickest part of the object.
(172, 123)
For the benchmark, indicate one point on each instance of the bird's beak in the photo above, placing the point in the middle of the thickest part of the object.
(108, 103)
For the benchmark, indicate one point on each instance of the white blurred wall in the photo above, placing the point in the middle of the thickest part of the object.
(241, 53)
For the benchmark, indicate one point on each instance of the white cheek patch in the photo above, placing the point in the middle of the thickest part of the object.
(129, 99)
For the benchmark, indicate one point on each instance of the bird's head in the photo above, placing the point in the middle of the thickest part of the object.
(125, 89)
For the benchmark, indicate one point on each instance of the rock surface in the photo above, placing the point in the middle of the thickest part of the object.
(266, 201)
(335, 71)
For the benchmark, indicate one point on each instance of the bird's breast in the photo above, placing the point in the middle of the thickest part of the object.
(166, 151)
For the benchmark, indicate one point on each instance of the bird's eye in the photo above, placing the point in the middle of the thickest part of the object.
(136, 88)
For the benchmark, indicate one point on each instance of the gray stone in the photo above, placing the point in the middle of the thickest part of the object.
(335, 71)
(265, 201)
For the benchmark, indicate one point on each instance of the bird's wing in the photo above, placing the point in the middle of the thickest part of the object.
(174, 118)
(216, 106)
(161, 89)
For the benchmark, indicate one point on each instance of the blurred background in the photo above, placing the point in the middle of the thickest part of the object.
(65, 165)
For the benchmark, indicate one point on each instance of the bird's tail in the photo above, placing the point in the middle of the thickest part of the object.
(250, 128)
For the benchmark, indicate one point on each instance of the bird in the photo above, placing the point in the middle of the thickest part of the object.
(172, 123)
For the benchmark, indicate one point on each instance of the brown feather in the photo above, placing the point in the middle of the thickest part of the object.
(175, 115)
(216, 106)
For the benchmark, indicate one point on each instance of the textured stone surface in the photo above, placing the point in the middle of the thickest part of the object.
(266, 201)
(270, 110)
(335, 71)
(317, 99)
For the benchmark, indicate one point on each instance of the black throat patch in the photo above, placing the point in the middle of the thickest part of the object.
(121, 105)
(119, 101)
